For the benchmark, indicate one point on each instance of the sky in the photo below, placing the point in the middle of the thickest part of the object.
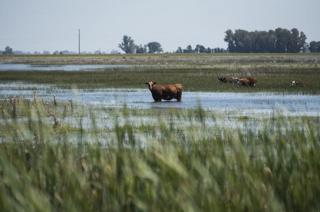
(37, 25)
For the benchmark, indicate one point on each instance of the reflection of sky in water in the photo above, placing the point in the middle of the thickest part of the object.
(246, 103)
(29, 67)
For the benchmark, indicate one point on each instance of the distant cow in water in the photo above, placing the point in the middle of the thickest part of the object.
(243, 81)
(233, 80)
(247, 81)
(165, 91)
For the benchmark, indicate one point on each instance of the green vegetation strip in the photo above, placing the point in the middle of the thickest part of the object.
(197, 72)
(163, 59)
(269, 79)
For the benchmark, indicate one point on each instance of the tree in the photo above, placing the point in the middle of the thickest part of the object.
(293, 45)
(242, 41)
(200, 49)
(297, 41)
(314, 46)
(230, 39)
(128, 45)
(283, 39)
(302, 41)
(271, 41)
(154, 47)
(218, 50)
(179, 50)
(208, 50)
(188, 49)
(142, 49)
(8, 51)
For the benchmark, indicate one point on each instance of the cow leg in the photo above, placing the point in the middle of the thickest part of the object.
(156, 98)
(179, 94)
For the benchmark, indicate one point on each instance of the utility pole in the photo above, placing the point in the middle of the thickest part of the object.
(79, 41)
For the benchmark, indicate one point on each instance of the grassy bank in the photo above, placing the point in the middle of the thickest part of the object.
(197, 72)
(269, 79)
(165, 59)
(181, 162)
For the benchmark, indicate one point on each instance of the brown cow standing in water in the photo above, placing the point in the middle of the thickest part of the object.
(233, 80)
(243, 81)
(247, 81)
(165, 91)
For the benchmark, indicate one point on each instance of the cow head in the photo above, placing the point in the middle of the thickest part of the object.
(150, 84)
(222, 79)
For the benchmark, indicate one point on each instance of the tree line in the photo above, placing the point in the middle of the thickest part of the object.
(314, 46)
(278, 40)
(7, 51)
(199, 49)
(129, 47)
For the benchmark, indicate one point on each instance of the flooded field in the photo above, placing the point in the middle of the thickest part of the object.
(88, 142)
(69, 67)
(244, 103)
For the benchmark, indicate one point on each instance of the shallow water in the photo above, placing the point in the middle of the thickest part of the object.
(241, 103)
(30, 67)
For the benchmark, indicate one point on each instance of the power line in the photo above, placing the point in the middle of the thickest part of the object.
(79, 41)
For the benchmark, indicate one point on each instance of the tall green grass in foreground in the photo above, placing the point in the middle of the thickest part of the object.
(48, 164)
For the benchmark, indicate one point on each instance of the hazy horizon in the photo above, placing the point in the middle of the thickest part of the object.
(38, 25)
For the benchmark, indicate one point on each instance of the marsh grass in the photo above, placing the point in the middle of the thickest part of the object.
(269, 79)
(189, 59)
(162, 166)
